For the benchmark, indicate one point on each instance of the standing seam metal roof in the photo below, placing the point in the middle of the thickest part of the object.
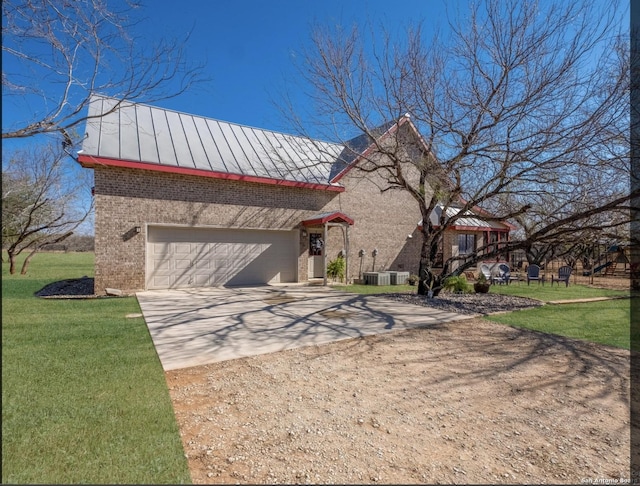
(141, 133)
(469, 219)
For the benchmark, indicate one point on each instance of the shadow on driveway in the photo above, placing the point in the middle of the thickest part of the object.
(192, 327)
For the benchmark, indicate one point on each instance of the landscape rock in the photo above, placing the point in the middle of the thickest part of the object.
(469, 304)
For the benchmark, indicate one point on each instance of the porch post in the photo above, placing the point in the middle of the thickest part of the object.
(324, 256)
(346, 256)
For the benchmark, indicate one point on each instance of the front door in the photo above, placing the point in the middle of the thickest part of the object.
(316, 255)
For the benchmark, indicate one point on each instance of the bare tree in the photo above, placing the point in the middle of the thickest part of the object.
(521, 113)
(42, 202)
(55, 55)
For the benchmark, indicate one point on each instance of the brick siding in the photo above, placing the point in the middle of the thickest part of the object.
(126, 198)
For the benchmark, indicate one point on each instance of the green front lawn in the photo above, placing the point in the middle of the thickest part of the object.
(548, 293)
(605, 322)
(84, 398)
(544, 293)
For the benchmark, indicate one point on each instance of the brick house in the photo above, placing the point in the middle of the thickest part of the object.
(185, 201)
(468, 234)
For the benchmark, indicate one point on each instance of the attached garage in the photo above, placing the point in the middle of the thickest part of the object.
(179, 257)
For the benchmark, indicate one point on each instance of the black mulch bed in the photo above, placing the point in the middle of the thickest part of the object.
(76, 288)
(469, 303)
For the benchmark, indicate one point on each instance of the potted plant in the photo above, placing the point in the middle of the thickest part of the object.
(481, 286)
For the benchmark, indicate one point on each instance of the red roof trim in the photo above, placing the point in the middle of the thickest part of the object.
(327, 219)
(89, 161)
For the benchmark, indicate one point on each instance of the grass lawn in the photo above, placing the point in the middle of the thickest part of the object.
(84, 398)
(547, 293)
(605, 322)
(375, 289)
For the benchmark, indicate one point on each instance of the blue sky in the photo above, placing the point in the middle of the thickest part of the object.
(248, 47)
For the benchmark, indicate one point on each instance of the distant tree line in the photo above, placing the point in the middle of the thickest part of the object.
(73, 243)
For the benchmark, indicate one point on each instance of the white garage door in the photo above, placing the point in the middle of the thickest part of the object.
(191, 257)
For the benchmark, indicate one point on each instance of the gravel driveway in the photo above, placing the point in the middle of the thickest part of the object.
(462, 402)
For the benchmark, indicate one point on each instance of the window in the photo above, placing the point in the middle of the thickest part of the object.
(466, 244)
(315, 244)
(439, 256)
(494, 240)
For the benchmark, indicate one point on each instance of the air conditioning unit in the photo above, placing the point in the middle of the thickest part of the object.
(377, 278)
(398, 278)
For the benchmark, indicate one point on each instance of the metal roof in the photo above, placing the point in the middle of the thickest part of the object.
(355, 148)
(141, 133)
(469, 220)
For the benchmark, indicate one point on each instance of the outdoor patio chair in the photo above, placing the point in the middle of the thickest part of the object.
(533, 273)
(486, 271)
(563, 275)
(504, 274)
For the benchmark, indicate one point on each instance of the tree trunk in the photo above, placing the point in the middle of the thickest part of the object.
(428, 279)
(12, 263)
(25, 264)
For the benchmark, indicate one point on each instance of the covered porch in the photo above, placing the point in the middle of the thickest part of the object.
(314, 233)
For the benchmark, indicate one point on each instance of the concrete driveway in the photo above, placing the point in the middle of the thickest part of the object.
(192, 327)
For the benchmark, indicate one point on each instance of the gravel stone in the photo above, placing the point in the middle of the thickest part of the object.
(75, 288)
(468, 303)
